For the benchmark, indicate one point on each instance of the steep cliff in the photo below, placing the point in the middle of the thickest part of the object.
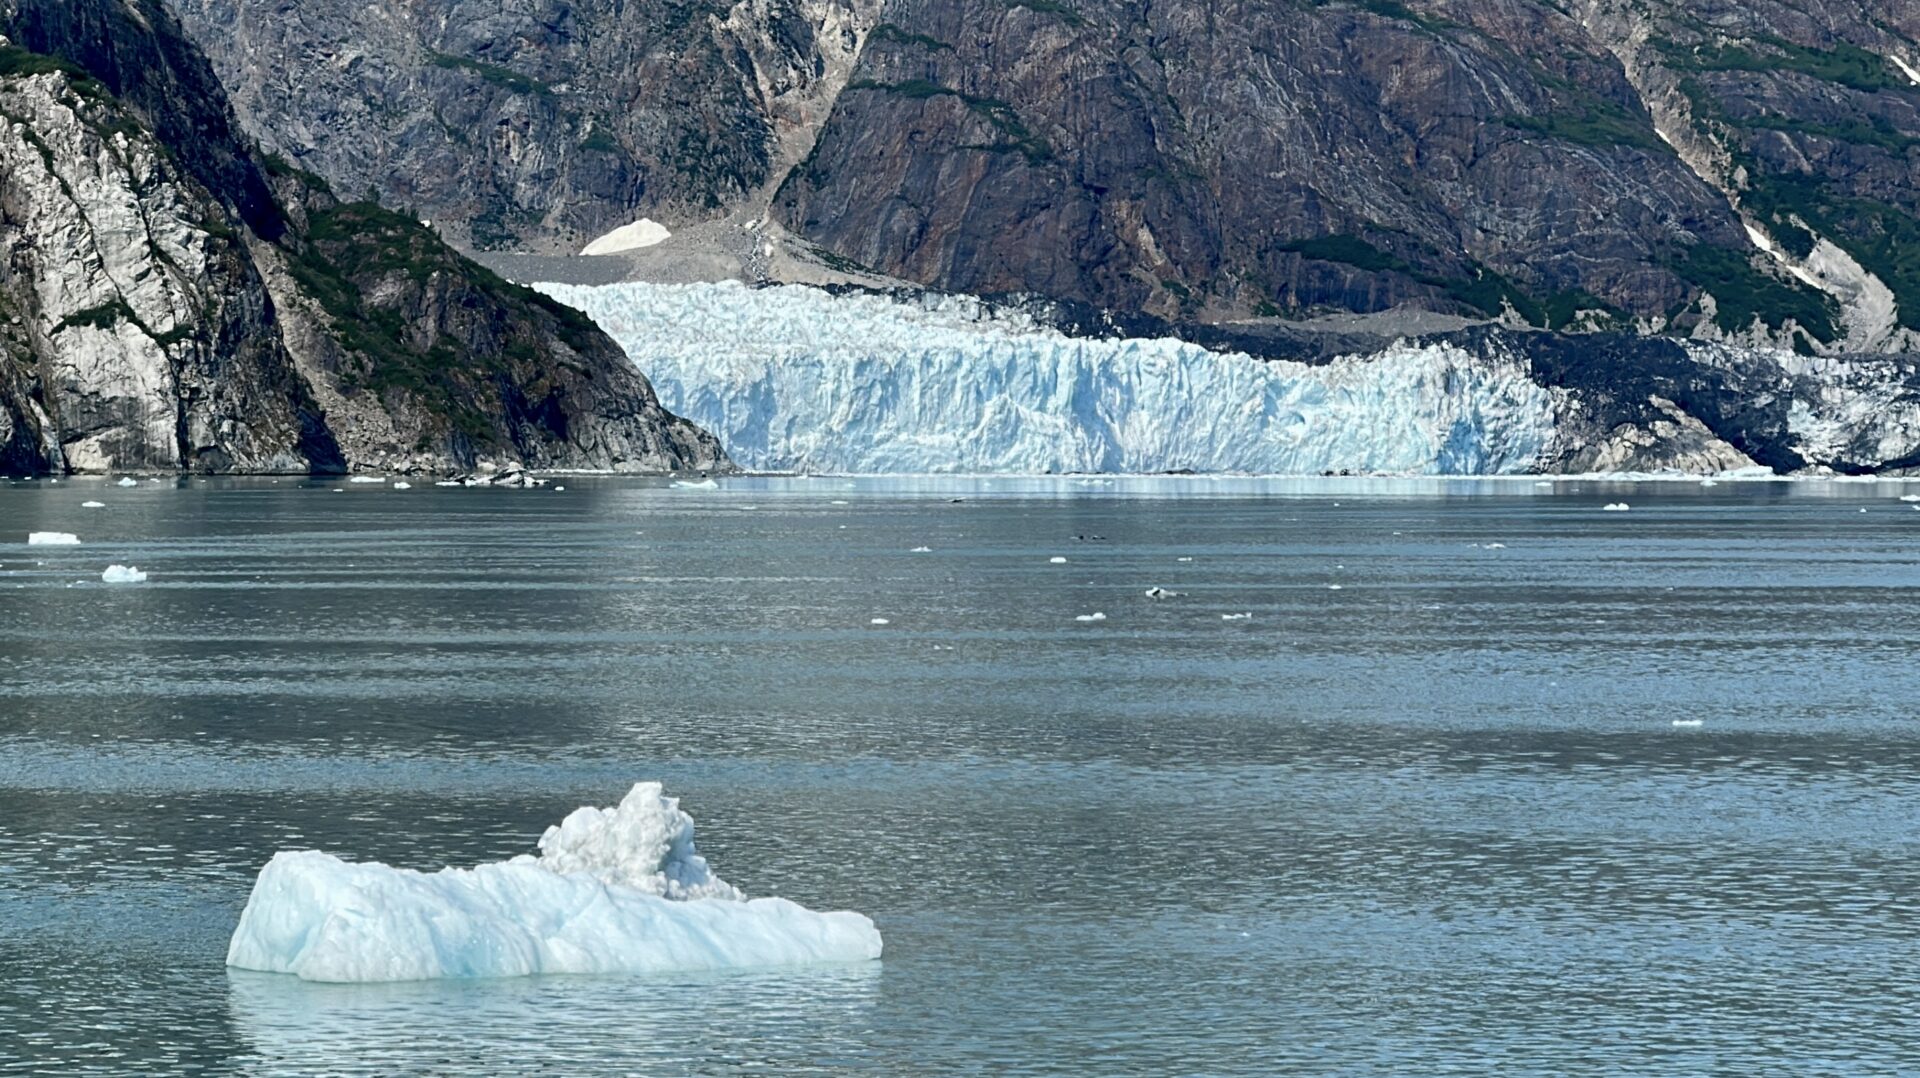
(1728, 170)
(169, 301)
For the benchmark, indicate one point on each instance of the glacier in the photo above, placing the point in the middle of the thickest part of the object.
(619, 890)
(796, 378)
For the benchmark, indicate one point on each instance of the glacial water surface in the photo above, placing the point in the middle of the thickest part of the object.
(1489, 780)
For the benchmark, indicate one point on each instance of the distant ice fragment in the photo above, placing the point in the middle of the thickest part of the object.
(704, 484)
(1709, 482)
(618, 890)
(921, 550)
(1335, 587)
(122, 574)
(1615, 507)
(1910, 497)
(1162, 593)
(1687, 722)
(128, 481)
(1056, 561)
(879, 621)
(93, 505)
(367, 479)
(1095, 616)
(447, 483)
(1235, 617)
(1183, 559)
(52, 539)
(403, 485)
(1494, 546)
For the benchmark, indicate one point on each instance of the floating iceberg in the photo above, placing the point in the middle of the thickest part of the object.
(403, 485)
(704, 484)
(367, 479)
(1615, 507)
(1095, 616)
(52, 539)
(794, 378)
(93, 505)
(128, 481)
(122, 574)
(618, 890)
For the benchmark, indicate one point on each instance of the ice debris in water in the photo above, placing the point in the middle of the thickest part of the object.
(122, 574)
(403, 485)
(704, 484)
(1686, 722)
(1056, 561)
(618, 890)
(1615, 507)
(1910, 497)
(367, 479)
(128, 481)
(879, 621)
(52, 539)
(921, 550)
(1162, 593)
(1095, 616)
(93, 505)
(1235, 617)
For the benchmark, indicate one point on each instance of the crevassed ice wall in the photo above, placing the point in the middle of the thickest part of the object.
(793, 378)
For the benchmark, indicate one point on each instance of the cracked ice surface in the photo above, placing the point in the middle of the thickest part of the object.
(793, 378)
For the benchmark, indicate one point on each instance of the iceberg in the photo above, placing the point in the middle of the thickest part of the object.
(704, 484)
(122, 574)
(794, 378)
(128, 481)
(619, 890)
(52, 539)
(93, 505)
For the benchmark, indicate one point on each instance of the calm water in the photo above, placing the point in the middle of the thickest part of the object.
(1438, 820)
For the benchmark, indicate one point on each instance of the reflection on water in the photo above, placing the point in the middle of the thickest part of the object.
(1440, 819)
(559, 1024)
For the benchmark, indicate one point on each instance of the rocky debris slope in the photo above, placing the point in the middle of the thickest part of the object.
(170, 300)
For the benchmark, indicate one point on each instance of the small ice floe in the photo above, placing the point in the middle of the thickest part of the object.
(1687, 722)
(1183, 559)
(1236, 617)
(403, 485)
(1615, 507)
(879, 621)
(447, 483)
(128, 481)
(1543, 483)
(613, 891)
(367, 479)
(1336, 587)
(1162, 593)
(122, 574)
(154, 479)
(93, 505)
(838, 502)
(921, 550)
(557, 490)
(52, 539)
(1494, 546)
(1056, 561)
(1709, 482)
(689, 484)
(1095, 616)
(1910, 497)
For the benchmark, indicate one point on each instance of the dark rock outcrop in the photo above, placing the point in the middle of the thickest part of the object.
(170, 300)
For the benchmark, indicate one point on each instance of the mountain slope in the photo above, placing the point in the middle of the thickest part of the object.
(171, 302)
(1601, 163)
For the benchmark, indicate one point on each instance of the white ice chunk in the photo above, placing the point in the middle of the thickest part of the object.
(1056, 561)
(403, 485)
(1910, 497)
(448, 483)
(1162, 593)
(642, 233)
(52, 539)
(879, 621)
(1615, 507)
(921, 550)
(613, 891)
(1095, 616)
(367, 479)
(1686, 722)
(123, 574)
(1235, 617)
(704, 484)
(128, 481)
(93, 505)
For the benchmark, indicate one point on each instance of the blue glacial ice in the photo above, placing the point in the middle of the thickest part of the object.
(794, 378)
(618, 890)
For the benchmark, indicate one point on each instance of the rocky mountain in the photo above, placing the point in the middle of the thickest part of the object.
(171, 299)
(1738, 170)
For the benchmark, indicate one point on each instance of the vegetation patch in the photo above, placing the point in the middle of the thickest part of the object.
(1016, 136)
(887, 31)
(1743, 293)
(492, 74)
(1883, 238)
(1847, 65)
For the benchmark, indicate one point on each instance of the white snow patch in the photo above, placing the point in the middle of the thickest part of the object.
(52, 539)
(1907, 69)
(122, 574)
(793, 378)
(613, 891)
(642, 233)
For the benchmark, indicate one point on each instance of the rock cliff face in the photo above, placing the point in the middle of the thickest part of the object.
(1729, 170)
(168, 301)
